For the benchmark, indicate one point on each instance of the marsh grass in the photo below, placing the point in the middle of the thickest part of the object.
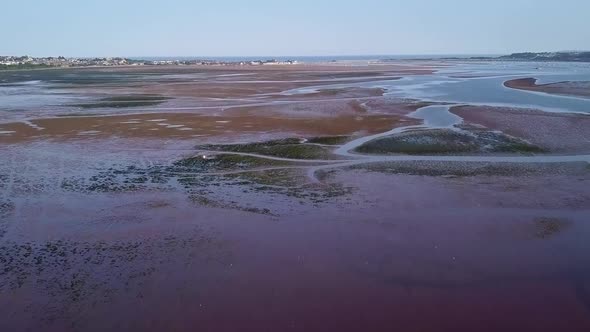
(221, 162)
(444, 141)
(291, 148)
(329, 140)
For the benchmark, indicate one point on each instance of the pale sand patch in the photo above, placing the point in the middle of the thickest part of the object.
(89, 132)
(32, 125)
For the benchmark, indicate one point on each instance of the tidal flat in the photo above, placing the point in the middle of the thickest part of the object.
(408, 195)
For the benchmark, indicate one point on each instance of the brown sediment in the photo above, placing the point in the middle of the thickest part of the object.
(332, 108)
(556, 132)
(190, 126)
(104, 261)
(392, 106)
(244, 81)
(581, 89)
(206, 89)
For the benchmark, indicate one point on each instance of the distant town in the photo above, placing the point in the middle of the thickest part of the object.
(28, 62)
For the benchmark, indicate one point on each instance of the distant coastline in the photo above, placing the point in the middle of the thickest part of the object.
(573, 56)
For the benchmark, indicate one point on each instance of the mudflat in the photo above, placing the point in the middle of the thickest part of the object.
(581, 89)
(302, 197)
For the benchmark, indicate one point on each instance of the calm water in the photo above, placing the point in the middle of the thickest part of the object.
(482, 84)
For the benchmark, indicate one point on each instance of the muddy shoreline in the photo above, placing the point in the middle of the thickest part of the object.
(557, 132)
(579, 89)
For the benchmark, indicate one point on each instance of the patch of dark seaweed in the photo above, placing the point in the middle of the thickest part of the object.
(111, 180)
(278, 177)
(548, 227)
(81, 273)
(204, 201)
(197, 177)
(285, 182)
(202, 198)
(292, 183)
(3, 180)
(6, 208)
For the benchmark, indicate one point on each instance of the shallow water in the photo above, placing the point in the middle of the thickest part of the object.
(437, 116)
(483, 84)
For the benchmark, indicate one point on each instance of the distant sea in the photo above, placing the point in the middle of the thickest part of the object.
(310, 59)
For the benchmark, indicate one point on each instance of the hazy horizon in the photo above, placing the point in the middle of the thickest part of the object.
(182, 28)
(264, 56)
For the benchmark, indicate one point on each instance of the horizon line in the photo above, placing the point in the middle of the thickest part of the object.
(270, 55)
(293, 56)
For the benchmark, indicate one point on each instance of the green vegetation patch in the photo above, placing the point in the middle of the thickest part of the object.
(221, 162)
(291, 148)
(445, 141)
(329, 140)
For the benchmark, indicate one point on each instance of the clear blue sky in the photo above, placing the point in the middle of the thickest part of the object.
(295, 27)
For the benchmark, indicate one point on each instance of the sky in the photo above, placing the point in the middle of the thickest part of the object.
(296, 27)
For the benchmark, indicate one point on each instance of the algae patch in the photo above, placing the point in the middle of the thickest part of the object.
(549, 227)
